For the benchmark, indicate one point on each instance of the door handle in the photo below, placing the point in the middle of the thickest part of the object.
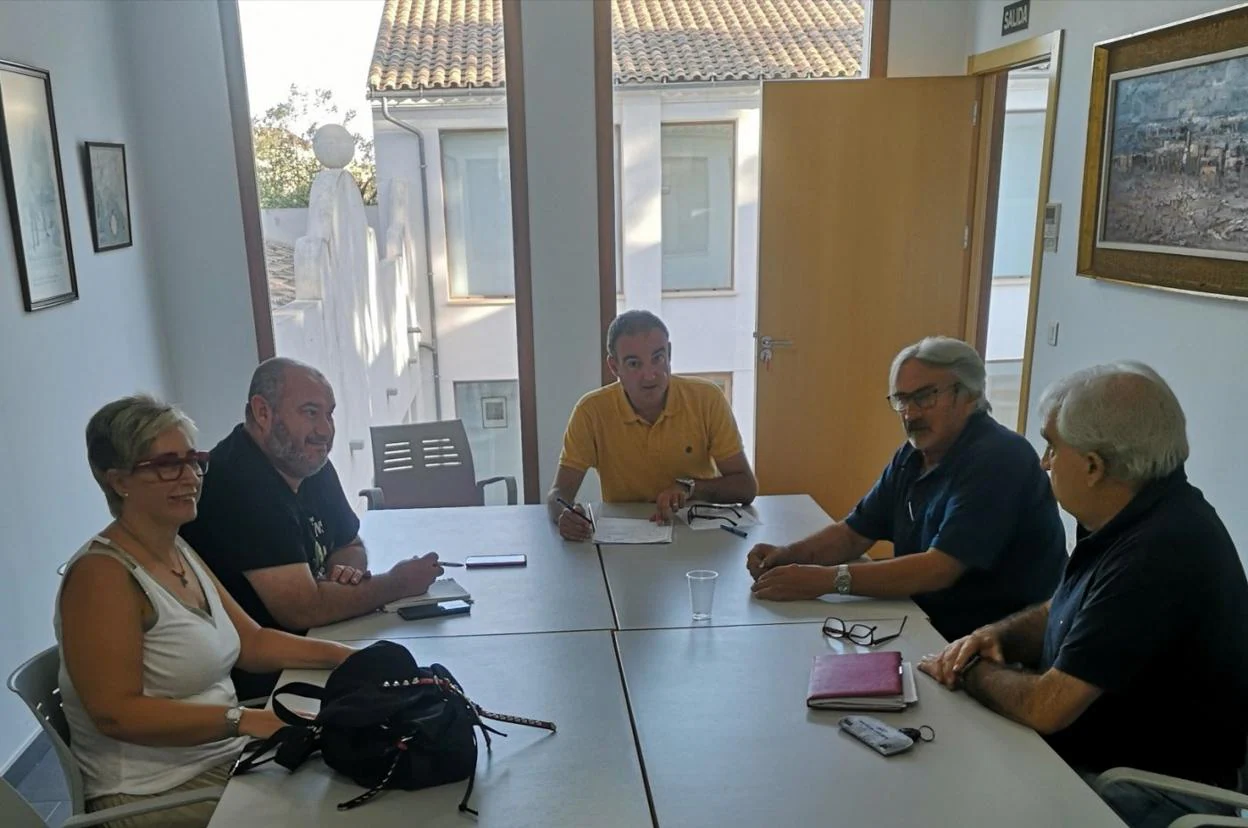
(767, 343)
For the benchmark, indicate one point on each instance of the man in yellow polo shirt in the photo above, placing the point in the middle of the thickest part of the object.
(653, 438)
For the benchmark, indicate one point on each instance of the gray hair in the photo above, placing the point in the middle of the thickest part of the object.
(632, 322)
(954, 354)
(120, 433)
(269, 380)
(1124, 412)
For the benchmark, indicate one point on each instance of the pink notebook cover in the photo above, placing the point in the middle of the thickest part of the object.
(855, 675)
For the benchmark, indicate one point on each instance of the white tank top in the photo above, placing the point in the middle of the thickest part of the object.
(187, 655)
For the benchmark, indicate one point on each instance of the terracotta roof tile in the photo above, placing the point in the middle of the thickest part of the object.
(458, 44)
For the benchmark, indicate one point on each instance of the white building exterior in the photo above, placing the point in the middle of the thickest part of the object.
(709, 310)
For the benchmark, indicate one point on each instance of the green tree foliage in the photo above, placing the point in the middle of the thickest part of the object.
(285, 163)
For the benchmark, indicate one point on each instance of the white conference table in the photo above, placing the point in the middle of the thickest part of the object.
(587, 773)
(649, 589)
(561, 588)
(727, 740)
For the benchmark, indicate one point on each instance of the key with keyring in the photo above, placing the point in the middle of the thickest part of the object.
(882, 738)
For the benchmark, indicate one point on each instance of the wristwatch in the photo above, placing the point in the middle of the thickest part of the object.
(234, 718)
(688, 483)
(843, 580)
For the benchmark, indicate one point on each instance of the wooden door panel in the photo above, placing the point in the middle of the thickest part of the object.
(865, 194)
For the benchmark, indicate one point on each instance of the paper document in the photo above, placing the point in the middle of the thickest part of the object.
(701, 516)
(443, 589)
(630, 530)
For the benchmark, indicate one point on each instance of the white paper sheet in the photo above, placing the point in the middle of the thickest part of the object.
(630, 530)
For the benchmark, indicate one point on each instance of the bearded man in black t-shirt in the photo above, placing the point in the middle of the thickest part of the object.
(274, 523)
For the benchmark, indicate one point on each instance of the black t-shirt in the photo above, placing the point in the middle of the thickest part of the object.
(1153, 610)
(989, 505)
(249, 518)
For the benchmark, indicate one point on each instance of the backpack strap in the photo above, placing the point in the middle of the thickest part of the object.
(296, 688)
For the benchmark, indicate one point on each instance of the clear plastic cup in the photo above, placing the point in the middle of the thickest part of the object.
(702, 592)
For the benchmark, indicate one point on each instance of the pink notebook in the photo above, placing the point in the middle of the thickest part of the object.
(856, 681)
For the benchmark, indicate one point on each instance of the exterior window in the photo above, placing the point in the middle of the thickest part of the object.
(698, 174)
(476, 182)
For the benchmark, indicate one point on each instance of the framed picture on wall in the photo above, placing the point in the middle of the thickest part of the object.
(35, 189)
(109, 192)
(1165, 191)
(494, 412)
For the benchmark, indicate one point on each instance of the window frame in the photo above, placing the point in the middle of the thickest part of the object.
(470, 298)
(731, 287)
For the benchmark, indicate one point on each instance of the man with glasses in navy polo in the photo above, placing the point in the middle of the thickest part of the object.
(975, 529)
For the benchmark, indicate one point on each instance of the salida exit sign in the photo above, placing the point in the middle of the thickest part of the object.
(1016, 17)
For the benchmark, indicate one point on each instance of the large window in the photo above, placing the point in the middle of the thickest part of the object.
(476, 181)
(698, 162)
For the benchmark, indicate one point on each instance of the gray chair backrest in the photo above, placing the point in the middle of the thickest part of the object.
(37, 682)
(424, 465)
(16, 812)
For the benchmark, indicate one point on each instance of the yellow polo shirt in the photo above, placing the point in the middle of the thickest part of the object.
(636, 460)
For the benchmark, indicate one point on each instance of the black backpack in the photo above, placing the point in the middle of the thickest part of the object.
(385, 722)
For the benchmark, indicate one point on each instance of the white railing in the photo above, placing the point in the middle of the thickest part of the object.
(352, 310)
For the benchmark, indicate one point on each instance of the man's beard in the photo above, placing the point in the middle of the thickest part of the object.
(287, 456)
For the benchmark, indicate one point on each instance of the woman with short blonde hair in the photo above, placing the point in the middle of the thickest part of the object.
(147, 635)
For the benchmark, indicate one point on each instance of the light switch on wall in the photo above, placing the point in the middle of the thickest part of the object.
(1053, 326)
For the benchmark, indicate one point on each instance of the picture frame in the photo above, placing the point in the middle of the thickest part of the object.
(108, 194)
(30, 163)
(493, 412)
(1165, 179)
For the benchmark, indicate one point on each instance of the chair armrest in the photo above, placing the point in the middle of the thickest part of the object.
(376, 498)
(1161, 782)
(1208, 821)
(511, 487)
(147, 806)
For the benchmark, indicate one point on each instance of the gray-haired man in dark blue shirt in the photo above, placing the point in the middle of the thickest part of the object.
(973, 522)
(1140, 659)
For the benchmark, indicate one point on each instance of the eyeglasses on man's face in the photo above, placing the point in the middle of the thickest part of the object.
(169, 467)
(863, 633)
(923, 399)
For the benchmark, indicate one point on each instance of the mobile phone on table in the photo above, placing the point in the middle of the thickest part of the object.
(483, 561)
(434, 610)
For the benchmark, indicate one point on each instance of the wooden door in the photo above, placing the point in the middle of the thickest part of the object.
(865, 210)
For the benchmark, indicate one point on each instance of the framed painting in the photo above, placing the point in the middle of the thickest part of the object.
(31, 165)
(1165, 191)
(109, 193)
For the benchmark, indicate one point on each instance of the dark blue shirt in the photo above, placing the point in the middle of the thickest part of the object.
(989, 505)
(1153, 610)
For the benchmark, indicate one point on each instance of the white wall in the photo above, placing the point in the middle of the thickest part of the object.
(63, 363)
(1197, 343)
(929, 37)
(186, 154)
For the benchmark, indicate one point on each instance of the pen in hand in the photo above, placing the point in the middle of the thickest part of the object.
(565, 504)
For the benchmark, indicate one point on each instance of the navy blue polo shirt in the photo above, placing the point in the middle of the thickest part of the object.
(989, 505)
(1153, 610)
